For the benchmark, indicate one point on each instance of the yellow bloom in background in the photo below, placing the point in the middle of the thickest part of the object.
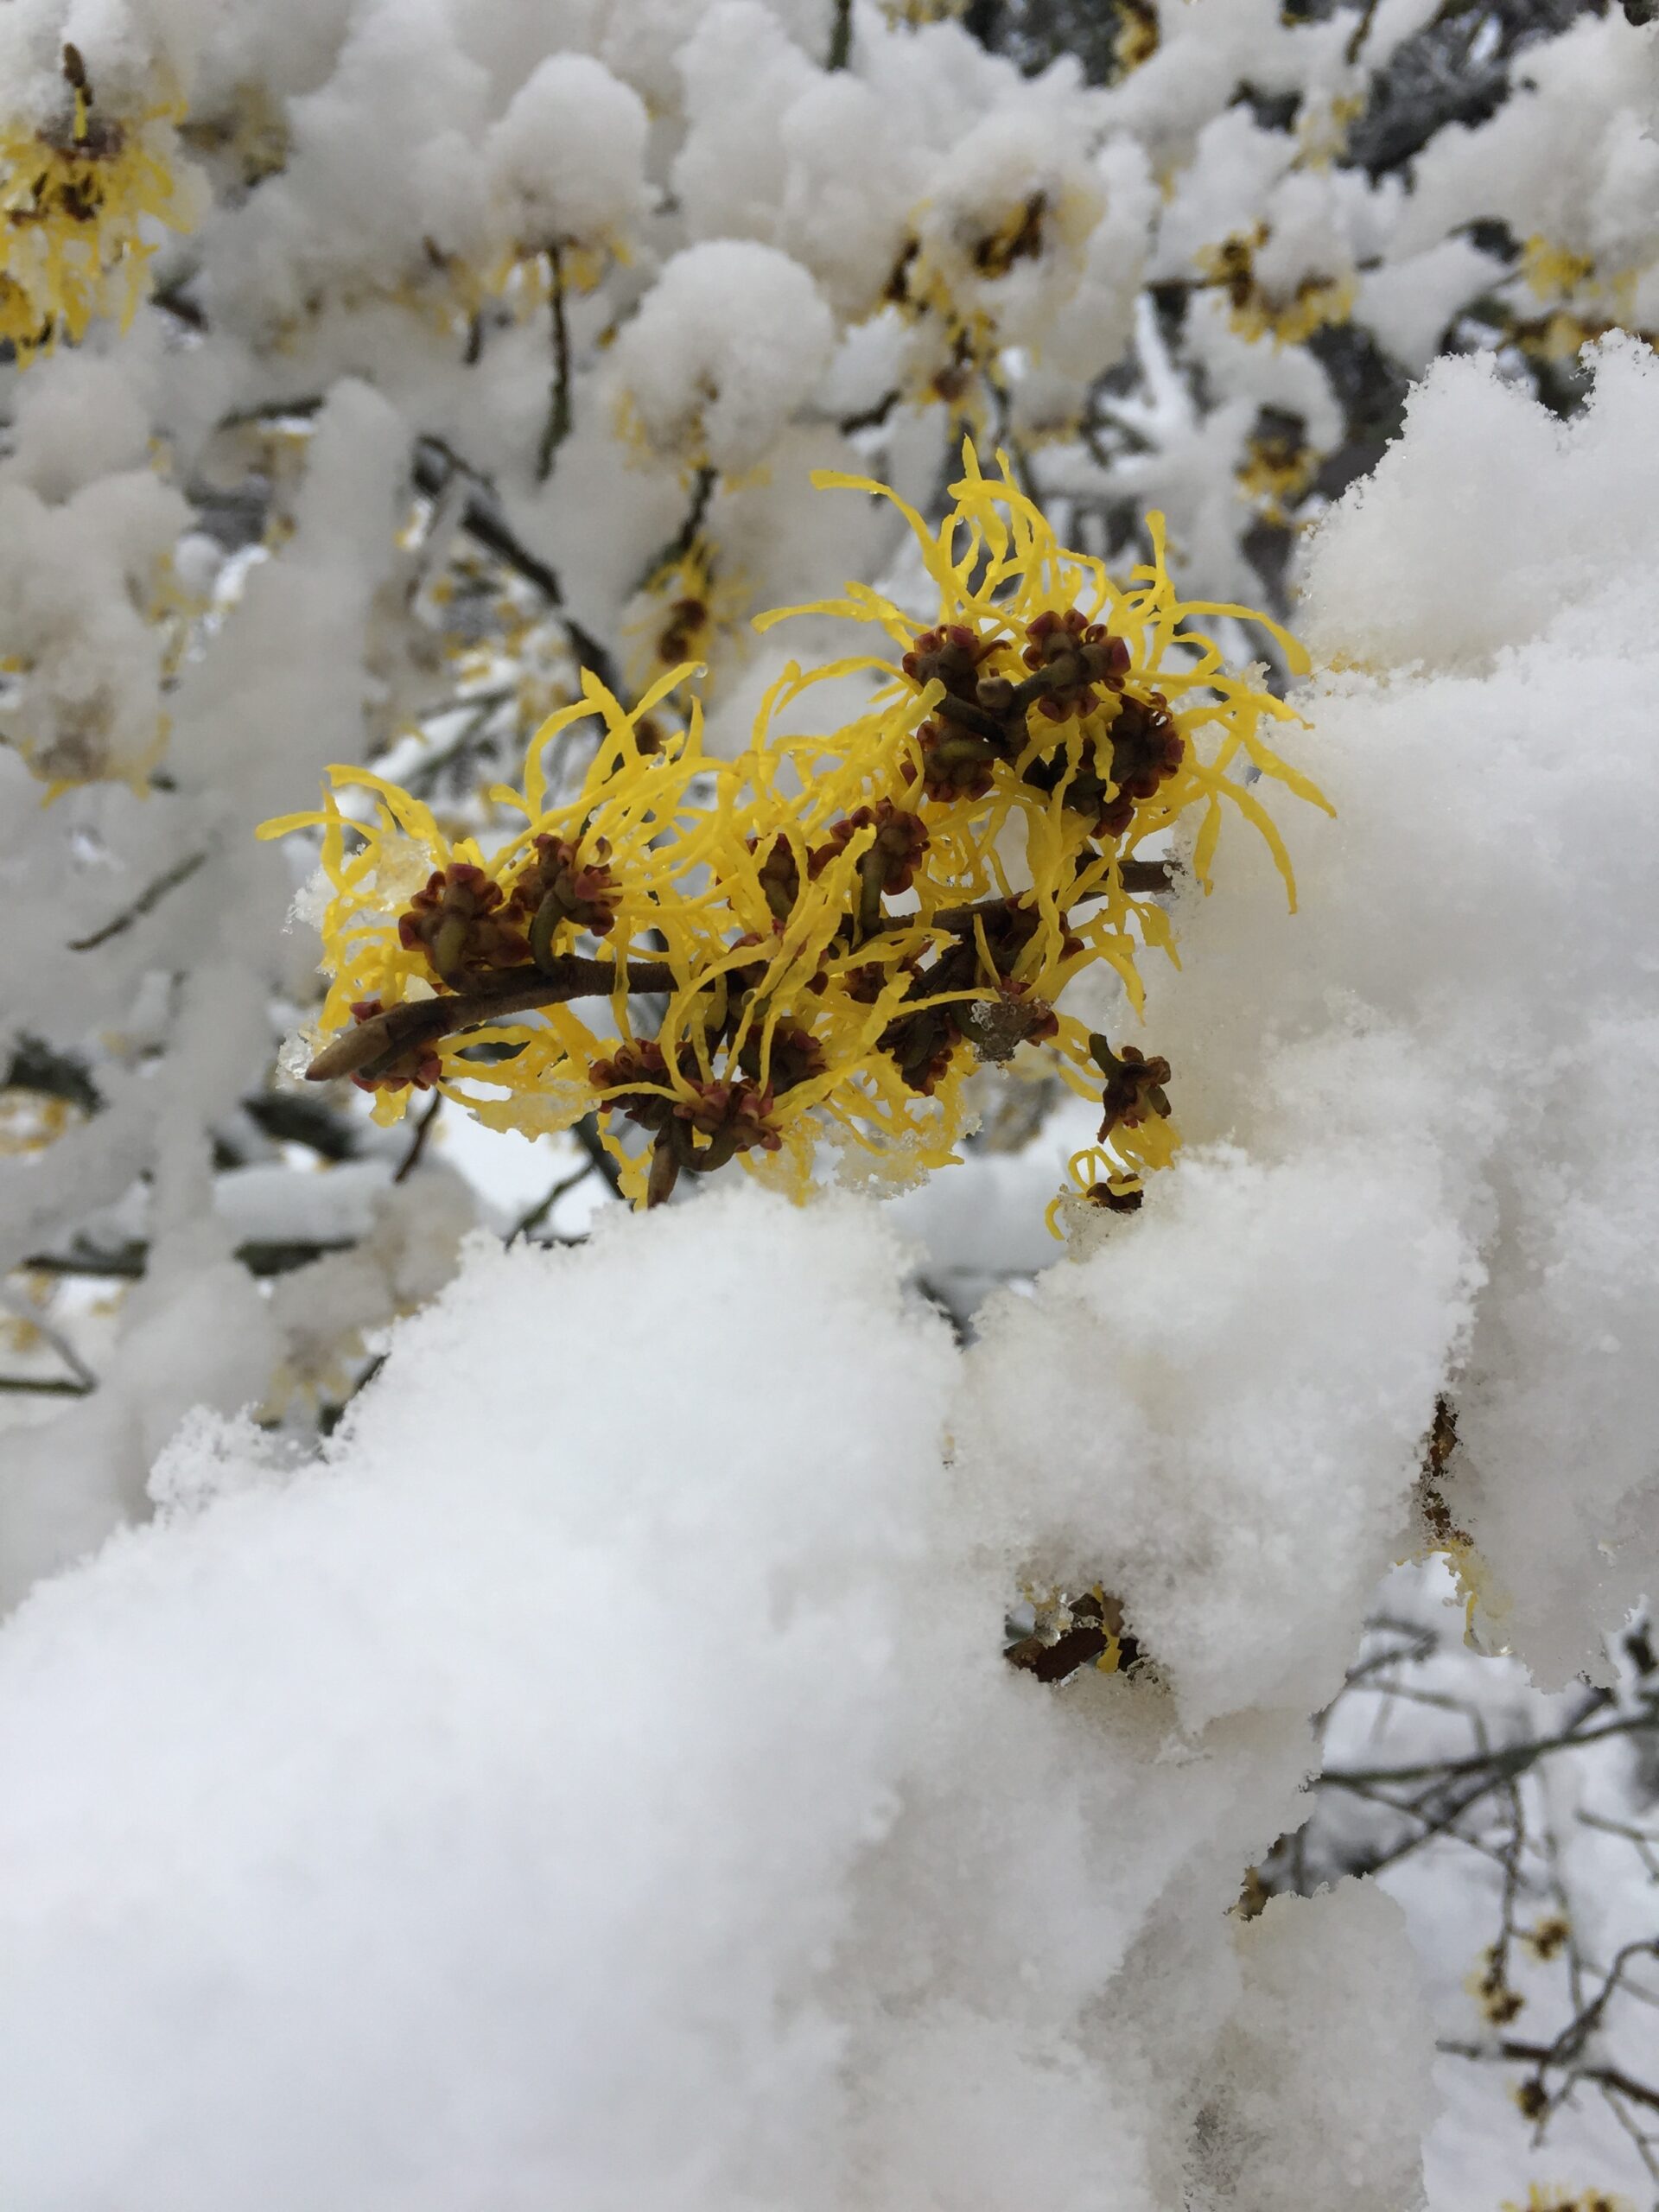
(689, 608)
(1255, 311)
(830, 933)
(75, 198)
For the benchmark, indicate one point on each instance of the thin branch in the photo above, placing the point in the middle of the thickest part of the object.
(1361, 33)
(129, 1262)
(539, 1212)
(149, 898)
(418, 1022)
(841, 39)
(84, 1380)
(1508, 2050)
(376, 1046)
(872, 418)
(434, 462)
(411, 1159)
(126, 1263)
(1507, 1760)
(557, 426)
(586, 1133)
(702, 491)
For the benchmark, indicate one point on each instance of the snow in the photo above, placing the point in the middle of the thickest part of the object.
(555, 1794)
(591, 1774)
(728, 343)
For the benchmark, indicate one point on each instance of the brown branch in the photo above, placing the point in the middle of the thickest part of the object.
(152, 896)
(435, 460)
(411, 1159)
(1500, 1764)
(557, 426)
(404, 1028)
(1541, 2055)
(1141, 879)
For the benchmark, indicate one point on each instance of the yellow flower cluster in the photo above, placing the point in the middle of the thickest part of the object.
(73, 199)
(831, 930)
(690, 608)
(1580, 303)
(1254, 311)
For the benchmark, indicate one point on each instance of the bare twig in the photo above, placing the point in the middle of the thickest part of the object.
(840, 38)
(405, 1029)
(435, 460)
(82, 1378)
(586, 1133)
(149, 898)
(1510, 2051)
(557, 426)
(702, 491)
(411, 1159)
(539, 1212)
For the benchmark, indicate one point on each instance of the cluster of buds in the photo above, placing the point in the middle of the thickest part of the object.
(896, 850)
(781, 877)
(921, 1046)
(956, 763)
(1075, 654)
(1146, 748)
(949, 656)
(639, 1073)
(684, 631)
(1077, 667)
(796, 1057)
(560, 885)
(464, 925)
(1491, 1989)
(1135, 1085)
(888, 862)
(734, 1116)
(417, 1064)
(959, 749)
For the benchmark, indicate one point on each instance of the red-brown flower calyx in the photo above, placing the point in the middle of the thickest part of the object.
(734, 1116)
(1146, 748)
(678, 638)
(1135, 1085)
(950, 656)
(1139, 750)
(796, 1056)
(781, 877)
(560, 885)
(1074, 654)
(899, 842)
(921, 1045)
(460, 922)
(956, 763)
(888, 862)
(640, 1073)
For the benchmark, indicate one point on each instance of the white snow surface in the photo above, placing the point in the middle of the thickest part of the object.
(599, 1779)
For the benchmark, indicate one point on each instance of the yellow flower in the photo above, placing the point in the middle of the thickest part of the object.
(74, 201)
(689, 608)
(838, 927)
(1278, 468)
(1254, 311)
